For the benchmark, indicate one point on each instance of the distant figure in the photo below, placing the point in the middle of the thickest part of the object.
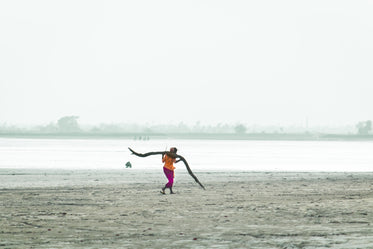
(128, 165)
(169, 158)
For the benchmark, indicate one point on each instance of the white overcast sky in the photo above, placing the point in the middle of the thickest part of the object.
(255, 62)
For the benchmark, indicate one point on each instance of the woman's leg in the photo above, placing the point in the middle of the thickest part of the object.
(170, 176)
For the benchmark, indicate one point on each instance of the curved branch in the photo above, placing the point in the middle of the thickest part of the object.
(176, 156)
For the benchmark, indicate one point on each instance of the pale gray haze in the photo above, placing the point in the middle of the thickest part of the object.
(254, 62)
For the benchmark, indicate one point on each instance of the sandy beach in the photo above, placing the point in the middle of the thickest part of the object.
(124, 209)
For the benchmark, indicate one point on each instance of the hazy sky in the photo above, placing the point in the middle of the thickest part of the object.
(262, 62)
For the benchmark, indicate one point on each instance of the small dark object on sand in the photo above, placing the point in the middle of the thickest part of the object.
(128, 165)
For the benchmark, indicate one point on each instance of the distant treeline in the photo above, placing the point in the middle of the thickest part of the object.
(69, 126)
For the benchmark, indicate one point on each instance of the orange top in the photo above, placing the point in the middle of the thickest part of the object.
(168, 162)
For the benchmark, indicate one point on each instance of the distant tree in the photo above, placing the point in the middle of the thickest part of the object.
(240, 129)
(51, 127)
(68, 124)
(364, 127)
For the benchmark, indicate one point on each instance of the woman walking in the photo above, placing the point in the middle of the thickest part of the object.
(169, 158)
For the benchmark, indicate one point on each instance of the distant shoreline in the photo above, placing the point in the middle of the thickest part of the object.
(202, 136)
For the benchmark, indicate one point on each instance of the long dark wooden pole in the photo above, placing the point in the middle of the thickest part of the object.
(176, 156)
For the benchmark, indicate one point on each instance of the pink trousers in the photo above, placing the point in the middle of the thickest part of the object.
(170, 176)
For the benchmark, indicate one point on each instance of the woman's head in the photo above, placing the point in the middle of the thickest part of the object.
(173, 150)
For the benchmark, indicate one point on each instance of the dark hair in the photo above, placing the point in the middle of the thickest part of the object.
(172, 152)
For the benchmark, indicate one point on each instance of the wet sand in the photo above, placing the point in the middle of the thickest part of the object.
(124, 209)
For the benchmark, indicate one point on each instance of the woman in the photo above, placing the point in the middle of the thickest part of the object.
(169, 158)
